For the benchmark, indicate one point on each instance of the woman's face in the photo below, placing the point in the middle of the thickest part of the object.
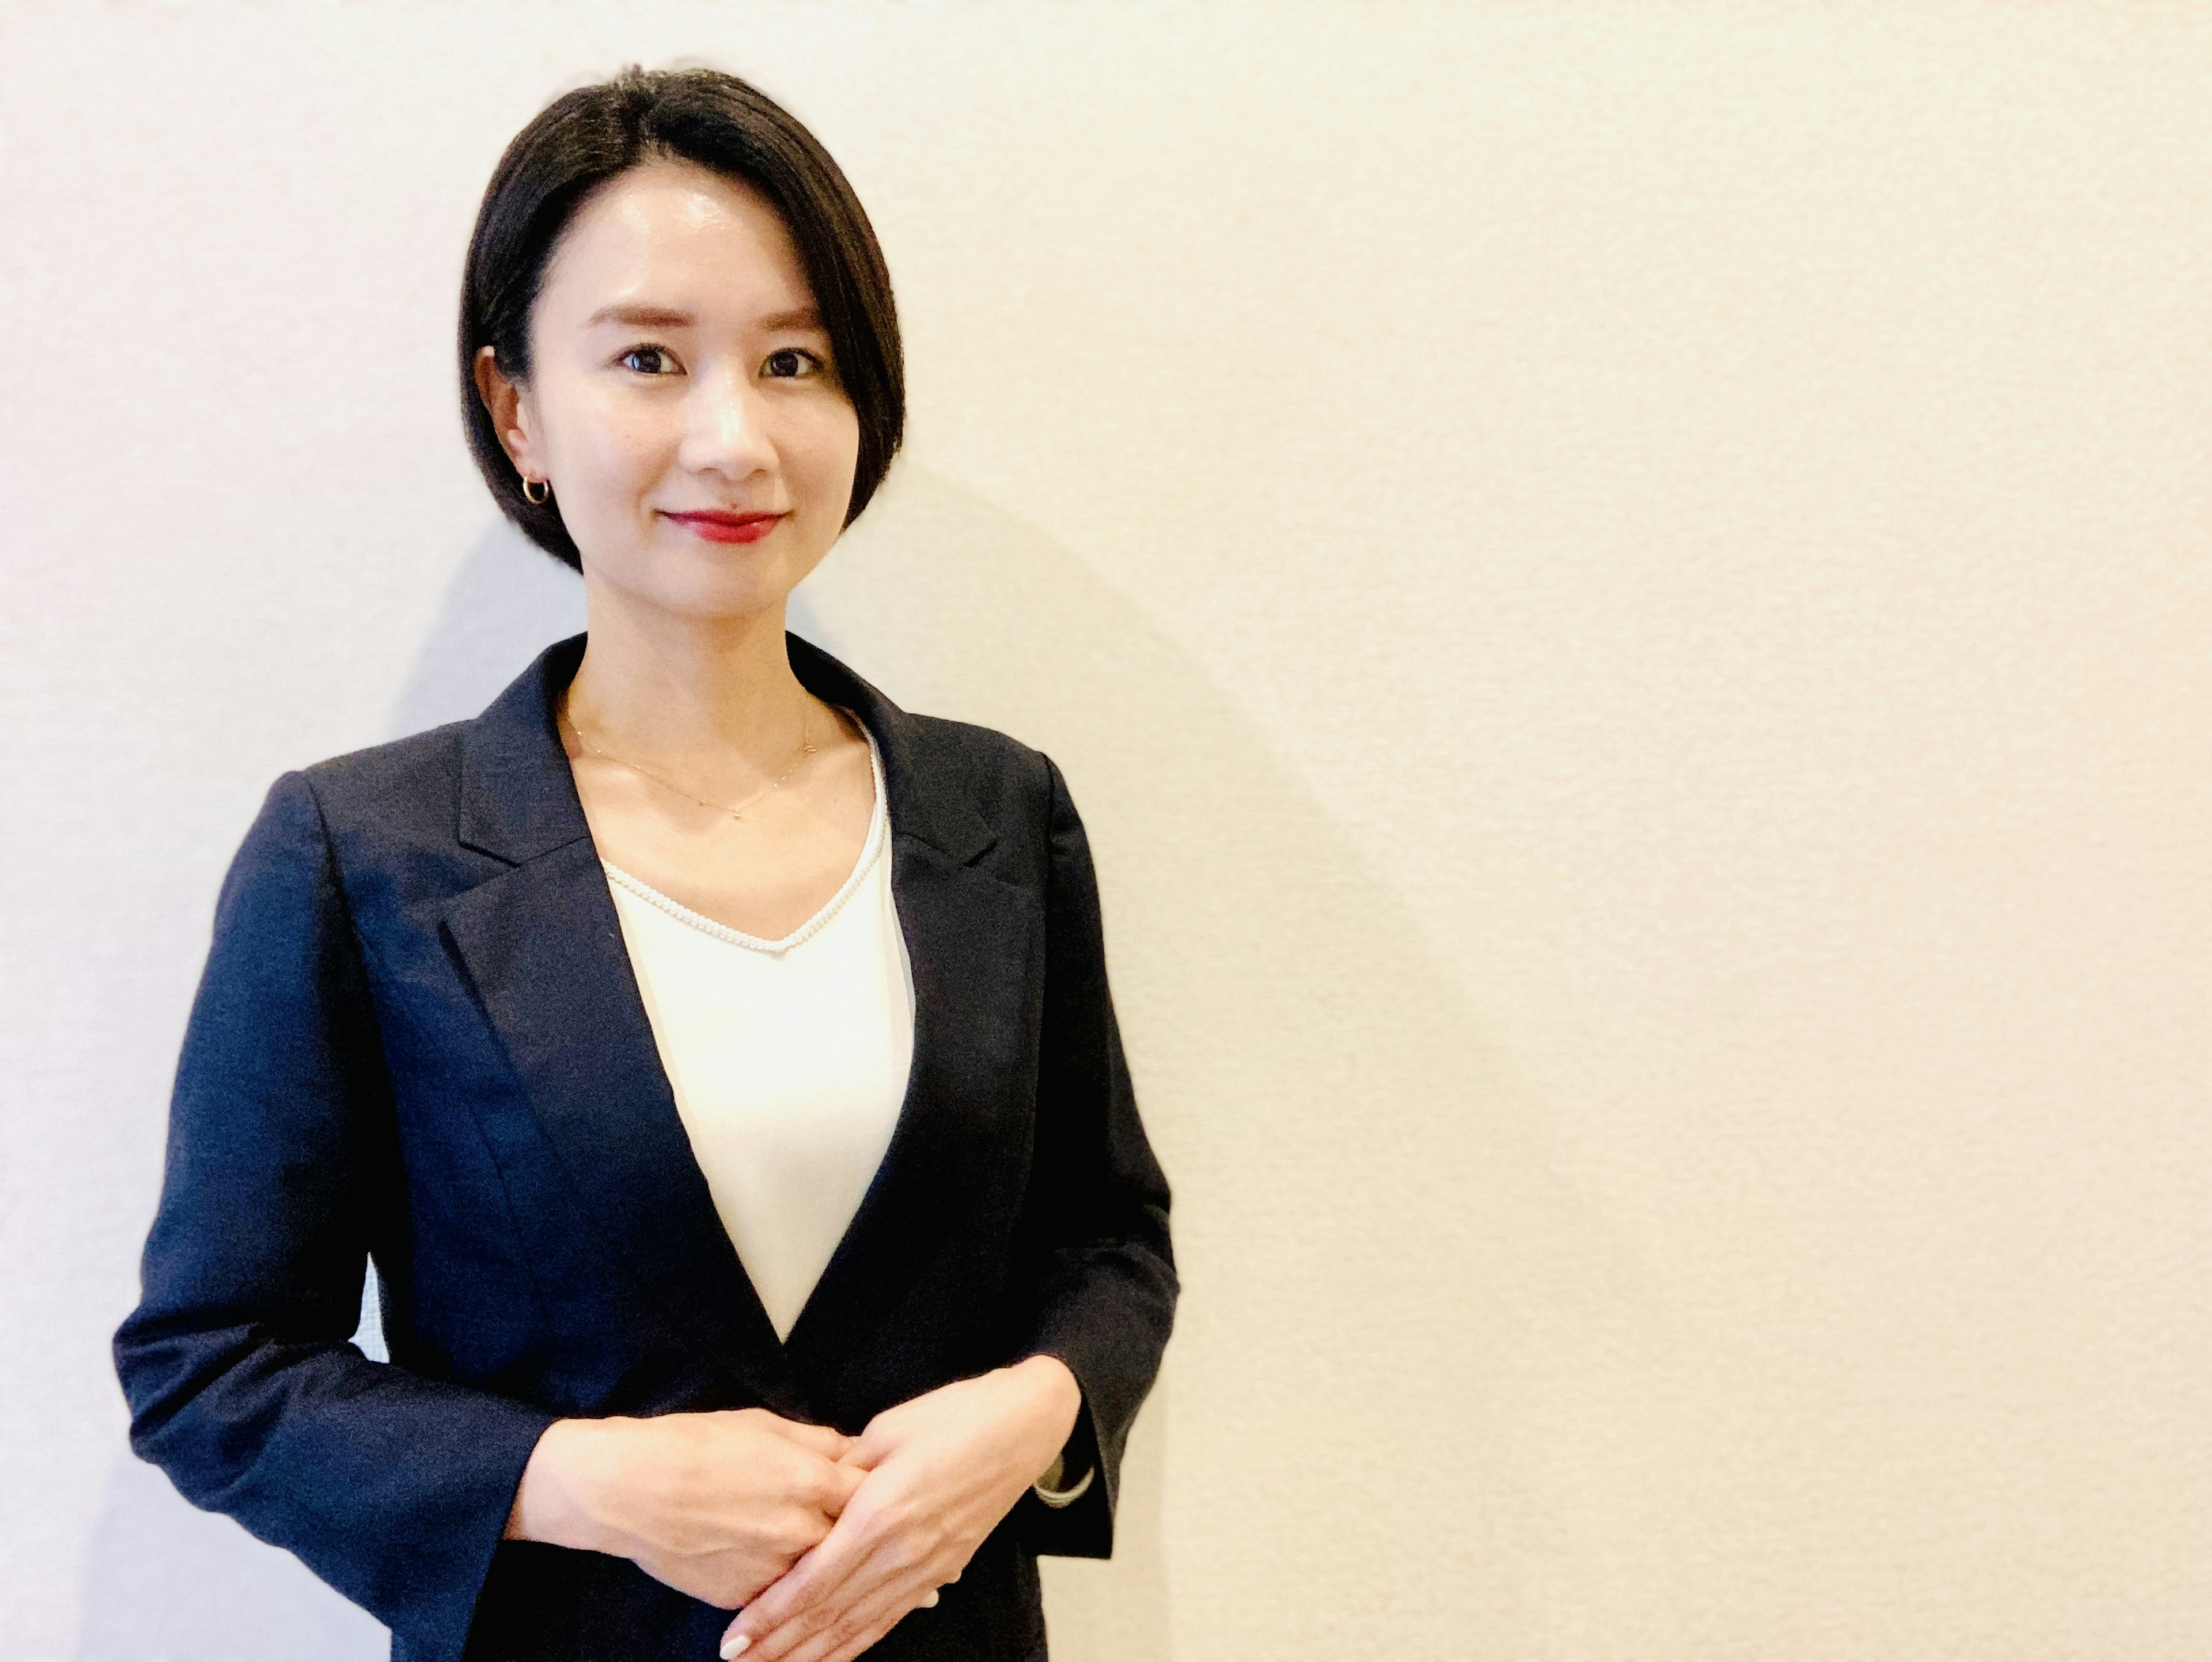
(682, 400)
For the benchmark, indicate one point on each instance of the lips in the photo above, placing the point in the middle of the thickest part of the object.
(717, 527)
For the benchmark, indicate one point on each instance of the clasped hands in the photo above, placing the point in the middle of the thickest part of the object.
(826, 1541)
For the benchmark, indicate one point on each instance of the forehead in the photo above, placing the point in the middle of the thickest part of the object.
(676, 235)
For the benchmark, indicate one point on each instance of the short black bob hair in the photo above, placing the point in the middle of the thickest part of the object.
(585, 137)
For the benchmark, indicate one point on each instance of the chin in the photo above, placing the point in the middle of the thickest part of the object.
(708, 580)
(723, 593)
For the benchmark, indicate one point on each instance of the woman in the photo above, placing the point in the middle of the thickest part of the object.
(715, 1061)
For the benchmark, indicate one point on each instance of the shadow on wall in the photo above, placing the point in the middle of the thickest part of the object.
(1382, 1264)
(1389, 1281)
(509, 600)
(168, 1583)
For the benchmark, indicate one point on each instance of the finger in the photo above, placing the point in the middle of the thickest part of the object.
(773, 1638)
(846, 1629)
(857, 1629)
(826, 1441)
(804, 1597)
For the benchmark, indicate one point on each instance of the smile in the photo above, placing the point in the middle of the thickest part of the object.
(718, 527)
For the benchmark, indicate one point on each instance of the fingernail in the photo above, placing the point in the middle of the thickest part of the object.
(734, 1645)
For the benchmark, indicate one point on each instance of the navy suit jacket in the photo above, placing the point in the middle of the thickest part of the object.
(418, 1042)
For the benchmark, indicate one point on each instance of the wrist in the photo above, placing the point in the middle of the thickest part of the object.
(559, 1500)
(1058, 1397)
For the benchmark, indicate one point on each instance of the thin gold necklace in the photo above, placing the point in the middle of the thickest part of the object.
(806, 750)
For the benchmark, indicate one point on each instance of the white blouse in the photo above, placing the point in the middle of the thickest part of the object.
(789, 1061)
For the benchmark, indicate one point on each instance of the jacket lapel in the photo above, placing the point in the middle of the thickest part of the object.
(543, 946)
(975, 945)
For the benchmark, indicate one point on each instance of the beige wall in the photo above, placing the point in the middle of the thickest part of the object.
(1624, 589)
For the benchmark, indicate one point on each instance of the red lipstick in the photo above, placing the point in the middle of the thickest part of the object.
(716, 526)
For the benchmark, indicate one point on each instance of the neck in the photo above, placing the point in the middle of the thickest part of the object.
(716, 696)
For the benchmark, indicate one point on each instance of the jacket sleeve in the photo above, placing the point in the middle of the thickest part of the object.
(243, 1385)
(1100, 1272)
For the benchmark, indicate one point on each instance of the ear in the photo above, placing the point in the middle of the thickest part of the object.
(510, 413)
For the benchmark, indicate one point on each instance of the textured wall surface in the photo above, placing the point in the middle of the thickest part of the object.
(1626, 592)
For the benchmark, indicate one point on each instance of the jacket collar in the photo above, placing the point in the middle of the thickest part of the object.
(518, 796)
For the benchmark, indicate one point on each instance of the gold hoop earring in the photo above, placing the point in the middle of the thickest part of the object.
(545, 486)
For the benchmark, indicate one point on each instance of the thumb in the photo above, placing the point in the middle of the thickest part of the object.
(825, 1440)
(848, 1479)
(869, 1447)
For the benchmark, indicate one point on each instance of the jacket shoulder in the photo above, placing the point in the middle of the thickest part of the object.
(405, 791)
(1009, 783)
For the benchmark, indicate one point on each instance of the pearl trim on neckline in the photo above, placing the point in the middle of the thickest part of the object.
(871, 850)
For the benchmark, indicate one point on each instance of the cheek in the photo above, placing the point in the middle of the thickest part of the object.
(627, 441)
(827, 453)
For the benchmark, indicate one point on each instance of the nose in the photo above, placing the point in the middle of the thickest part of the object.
(725, 430)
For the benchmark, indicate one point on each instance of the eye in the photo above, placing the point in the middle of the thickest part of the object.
(658, 359)
(791, 362)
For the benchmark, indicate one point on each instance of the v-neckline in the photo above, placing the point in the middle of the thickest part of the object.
(872, 847)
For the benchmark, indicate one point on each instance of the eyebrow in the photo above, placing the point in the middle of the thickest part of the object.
(663, 317)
